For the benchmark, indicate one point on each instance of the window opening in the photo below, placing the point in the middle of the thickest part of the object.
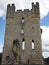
(22, 31)
(32, 44)
(23, 44)
(22, 21)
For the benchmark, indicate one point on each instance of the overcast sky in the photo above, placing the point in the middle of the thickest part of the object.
(26, 4)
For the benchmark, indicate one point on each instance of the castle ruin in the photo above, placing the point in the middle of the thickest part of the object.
(22, 36)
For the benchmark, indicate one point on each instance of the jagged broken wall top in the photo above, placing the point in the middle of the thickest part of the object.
(34, 10)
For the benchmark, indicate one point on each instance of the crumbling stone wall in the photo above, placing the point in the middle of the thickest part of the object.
(25, 31)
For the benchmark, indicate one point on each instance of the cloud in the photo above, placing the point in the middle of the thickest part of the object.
(45, 41)
(44, 7)
(1, 13)
(1, 48)
(21, 4)
(45, 54)
(45, 35)
(45, 48)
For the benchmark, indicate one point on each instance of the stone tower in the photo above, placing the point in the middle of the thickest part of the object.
(22, 36)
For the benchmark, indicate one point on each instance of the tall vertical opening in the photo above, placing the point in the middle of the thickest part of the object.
(32, 44)
(23, 43)
(22, 21)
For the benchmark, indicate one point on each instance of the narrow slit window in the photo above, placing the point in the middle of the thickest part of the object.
(22, 31)
(22, 21)
(23, 44)
(32, 44)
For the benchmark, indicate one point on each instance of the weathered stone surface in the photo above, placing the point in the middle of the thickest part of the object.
(31, 32)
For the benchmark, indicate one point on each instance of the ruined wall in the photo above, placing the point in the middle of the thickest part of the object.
(31, 28)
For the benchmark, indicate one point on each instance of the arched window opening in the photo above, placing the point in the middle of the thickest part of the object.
(32, 44)
(22, 31)
(22, 21)
(23, 44)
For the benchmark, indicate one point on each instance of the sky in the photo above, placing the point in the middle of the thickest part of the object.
(26, 4)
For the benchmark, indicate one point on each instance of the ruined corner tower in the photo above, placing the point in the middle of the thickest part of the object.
(22, 36)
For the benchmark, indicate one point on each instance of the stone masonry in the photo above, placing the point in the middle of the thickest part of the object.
(22, 26)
